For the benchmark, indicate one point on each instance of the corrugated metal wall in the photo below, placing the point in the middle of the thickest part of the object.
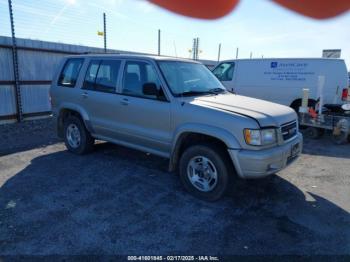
(7, 100)
(37, 61)
(35, 99)
(35, 67)
(7, 92)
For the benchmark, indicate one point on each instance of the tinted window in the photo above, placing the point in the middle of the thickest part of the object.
(107, 76)
(91, 74)
(102, 75)
(136, 74)
(70, 72)
(224, 72)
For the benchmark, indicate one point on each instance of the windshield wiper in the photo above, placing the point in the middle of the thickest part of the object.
(213, 91)
(217, 90)
(195, 93)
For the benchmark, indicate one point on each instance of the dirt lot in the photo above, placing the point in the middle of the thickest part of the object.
(120, 201)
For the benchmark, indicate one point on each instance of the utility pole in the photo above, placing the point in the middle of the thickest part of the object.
(237, 53)
(15, 66)
(219, 51)
(158, 41)
(175, 49)
(197, 48)
(194, 46)
(104, 32)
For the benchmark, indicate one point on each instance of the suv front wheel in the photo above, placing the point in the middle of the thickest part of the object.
(76, 137)
(204, 171)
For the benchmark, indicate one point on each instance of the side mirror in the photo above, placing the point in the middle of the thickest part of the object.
(150, 89)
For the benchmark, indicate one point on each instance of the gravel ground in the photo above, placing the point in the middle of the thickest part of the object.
(121, 201)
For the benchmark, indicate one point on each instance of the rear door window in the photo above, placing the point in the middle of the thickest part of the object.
(70, 72)
(224, 72)
(107, 76)
(102, 75)
(91, 74)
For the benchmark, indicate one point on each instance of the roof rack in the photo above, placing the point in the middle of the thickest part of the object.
(101, 53)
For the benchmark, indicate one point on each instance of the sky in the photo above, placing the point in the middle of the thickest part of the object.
(258, 26)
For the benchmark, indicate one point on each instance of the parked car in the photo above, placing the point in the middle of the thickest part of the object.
(282, 80)
(175, 109)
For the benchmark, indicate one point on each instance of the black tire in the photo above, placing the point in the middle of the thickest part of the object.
(340, 139)
(86, 140)
(313, 132)
(222, 165)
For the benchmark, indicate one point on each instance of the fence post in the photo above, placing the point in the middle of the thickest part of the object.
(219, 52)
(15, 66)
(194, 46)
(104, 33)
(158, 41)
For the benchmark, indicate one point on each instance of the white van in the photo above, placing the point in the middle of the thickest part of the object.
(281, 80)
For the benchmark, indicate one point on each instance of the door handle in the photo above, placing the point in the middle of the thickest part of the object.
(125, 101)
(85, 95)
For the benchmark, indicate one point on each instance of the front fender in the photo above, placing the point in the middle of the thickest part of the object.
(225, 136)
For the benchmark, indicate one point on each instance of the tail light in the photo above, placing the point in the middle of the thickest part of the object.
(344, 95)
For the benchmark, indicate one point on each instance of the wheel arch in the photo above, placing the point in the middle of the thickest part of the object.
(190, 135)
(297, 103)
(68, 110)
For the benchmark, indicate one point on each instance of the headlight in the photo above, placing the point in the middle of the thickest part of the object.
(260, 137)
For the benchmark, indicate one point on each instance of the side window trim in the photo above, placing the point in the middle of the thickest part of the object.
(98, 70)
(87, 71)
(124, 68)
(119, 88)
(233, 66)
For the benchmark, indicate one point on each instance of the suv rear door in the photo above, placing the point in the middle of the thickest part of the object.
(98, 96)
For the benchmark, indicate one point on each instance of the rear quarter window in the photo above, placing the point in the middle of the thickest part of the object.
(70, 72)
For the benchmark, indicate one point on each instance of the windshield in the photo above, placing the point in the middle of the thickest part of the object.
(186, 78)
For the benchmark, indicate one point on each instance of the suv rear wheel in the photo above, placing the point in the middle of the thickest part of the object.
(204, 172)
(76, 137)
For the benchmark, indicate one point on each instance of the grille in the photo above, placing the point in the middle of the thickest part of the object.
(289, 130)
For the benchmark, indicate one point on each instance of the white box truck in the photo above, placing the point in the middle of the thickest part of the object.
(281, 80)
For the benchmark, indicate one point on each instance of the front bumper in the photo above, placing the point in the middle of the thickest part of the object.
(260, 163)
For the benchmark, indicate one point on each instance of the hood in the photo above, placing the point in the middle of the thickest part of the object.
(264, 112)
